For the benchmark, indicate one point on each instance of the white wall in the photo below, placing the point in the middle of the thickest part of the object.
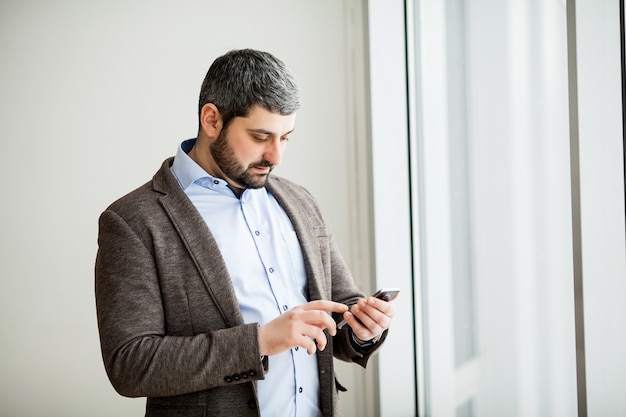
(94, 95)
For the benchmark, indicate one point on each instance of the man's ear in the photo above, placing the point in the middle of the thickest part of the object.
(211, 120)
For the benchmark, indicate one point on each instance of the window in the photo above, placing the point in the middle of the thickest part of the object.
(490, 130)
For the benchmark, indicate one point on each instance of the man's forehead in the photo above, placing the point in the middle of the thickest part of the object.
(261, 120)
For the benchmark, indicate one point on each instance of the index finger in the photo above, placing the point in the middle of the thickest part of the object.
(325, 305)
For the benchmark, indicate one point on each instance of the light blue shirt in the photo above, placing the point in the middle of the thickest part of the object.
(264, 259)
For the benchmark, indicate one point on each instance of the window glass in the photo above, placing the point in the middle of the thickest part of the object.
(494, 207)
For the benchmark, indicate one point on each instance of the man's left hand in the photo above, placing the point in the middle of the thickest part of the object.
(375, 317)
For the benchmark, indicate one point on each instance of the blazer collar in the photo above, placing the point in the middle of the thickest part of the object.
(199, 242)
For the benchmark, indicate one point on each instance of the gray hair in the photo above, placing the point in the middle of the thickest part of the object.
(241, 79)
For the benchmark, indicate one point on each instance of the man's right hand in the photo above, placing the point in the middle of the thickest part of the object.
(301, 326)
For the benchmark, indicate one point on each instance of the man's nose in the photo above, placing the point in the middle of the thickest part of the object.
(274, 151)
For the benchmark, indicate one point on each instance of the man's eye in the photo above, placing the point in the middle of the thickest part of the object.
(285, 138)
(260, 138)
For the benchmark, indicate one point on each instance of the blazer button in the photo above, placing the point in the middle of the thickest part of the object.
(244, 375)
(236, 377)
(252, 373)
(228, 379)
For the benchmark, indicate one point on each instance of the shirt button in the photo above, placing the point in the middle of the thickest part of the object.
(297, 347)
(285, 307)
(256, 232)
(300, 390)
(216, 182)
(271, 270)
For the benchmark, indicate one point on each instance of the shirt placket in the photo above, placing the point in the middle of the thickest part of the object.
(268, 242)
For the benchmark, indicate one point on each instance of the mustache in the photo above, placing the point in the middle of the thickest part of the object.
(261, 164)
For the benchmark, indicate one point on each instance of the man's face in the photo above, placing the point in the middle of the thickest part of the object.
(250, 147)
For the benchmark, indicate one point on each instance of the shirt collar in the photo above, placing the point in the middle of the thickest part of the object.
(185, 169)
(187, 172)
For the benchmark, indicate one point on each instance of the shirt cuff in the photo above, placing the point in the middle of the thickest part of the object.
(363, 345)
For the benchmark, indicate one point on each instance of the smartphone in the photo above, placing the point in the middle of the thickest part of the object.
(385, 294)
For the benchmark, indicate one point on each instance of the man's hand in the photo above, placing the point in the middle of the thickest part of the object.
(374, 315)
(301, 326)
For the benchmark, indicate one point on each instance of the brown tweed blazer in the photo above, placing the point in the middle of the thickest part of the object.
(169, 321)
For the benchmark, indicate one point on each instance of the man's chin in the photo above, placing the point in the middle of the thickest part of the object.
(257, 181)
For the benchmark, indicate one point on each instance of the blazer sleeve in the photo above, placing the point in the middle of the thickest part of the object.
(345, 291)
(140, 355)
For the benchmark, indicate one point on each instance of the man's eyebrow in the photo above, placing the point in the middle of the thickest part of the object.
(267, 132)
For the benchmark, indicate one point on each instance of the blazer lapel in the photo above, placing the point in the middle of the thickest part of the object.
(200, 243)
(308, 231)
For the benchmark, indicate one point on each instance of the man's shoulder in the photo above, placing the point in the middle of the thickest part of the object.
(144, 196)
(137, 196)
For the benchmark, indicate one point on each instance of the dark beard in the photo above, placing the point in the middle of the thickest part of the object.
(226, 160)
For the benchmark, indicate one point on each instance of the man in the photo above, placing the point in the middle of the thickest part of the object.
(216, 282)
